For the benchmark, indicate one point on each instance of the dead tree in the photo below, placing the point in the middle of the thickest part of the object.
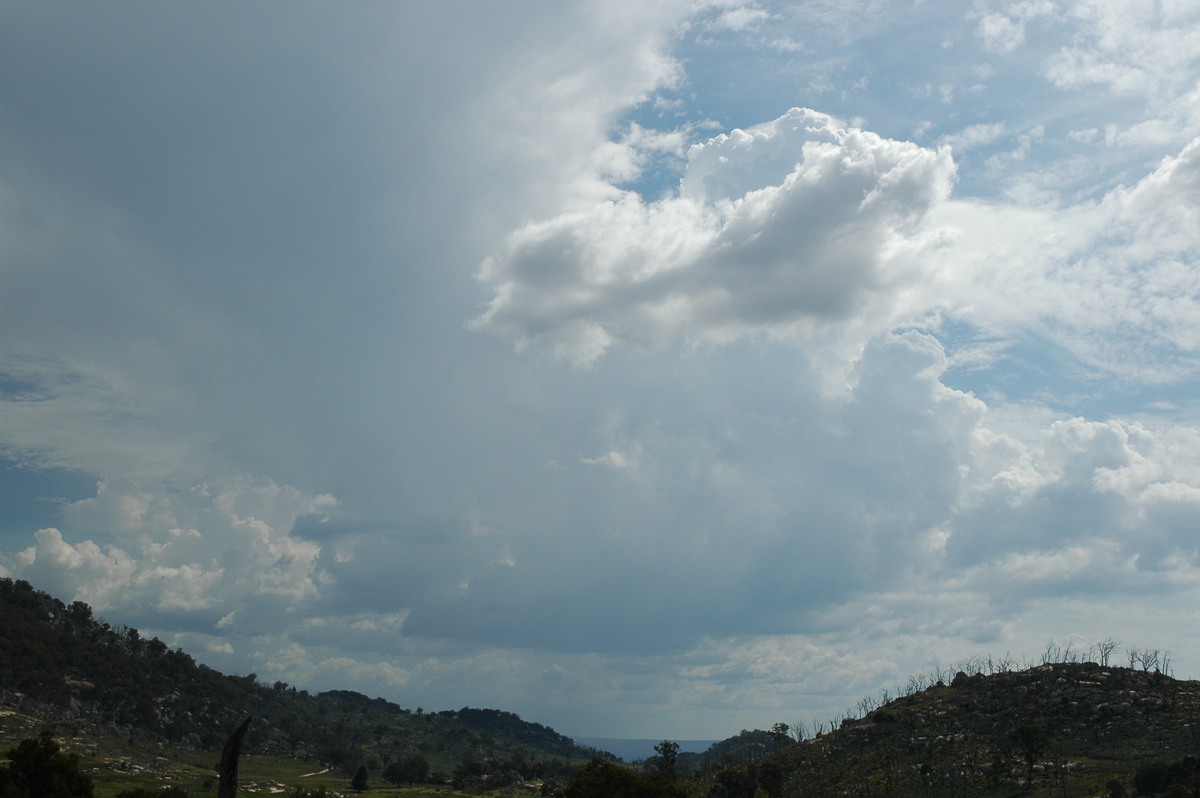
(229, 762)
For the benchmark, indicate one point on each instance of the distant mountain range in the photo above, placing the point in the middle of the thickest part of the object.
(638, 750)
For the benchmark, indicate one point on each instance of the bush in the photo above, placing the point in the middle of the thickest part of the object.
(38, 769)
(359, 782)
(733, 783)
(601, 779)
(1152, 778)
(411, 770)
(307, 792)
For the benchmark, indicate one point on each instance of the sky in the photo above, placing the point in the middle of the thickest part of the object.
(652, 370)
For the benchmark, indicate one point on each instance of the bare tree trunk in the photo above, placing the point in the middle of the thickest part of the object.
(229, 762)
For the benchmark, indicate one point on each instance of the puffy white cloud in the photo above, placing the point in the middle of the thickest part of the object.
(739, 18)
(1142, 50)
(1104, 507)
(200, 575)
(782, 227)
(56, 564)
(1133, 47)
(1003, 32)
(973, 136)
(1159, 213)
(803, 228)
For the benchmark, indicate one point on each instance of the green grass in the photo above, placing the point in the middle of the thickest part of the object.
(257, 774)
(117, 765)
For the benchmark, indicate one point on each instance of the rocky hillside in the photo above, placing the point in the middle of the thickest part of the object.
(60, 665)
(1063, 729)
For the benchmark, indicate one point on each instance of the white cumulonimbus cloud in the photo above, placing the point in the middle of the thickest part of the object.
(803, 226)
(190, 557)
(781, 227)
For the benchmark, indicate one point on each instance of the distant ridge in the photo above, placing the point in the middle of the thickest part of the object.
(60, 665)
(635, 750)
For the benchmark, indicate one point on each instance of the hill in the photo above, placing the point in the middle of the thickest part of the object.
(59, 664)
(1073, 728)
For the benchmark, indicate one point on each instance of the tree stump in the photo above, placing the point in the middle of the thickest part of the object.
(229, 762)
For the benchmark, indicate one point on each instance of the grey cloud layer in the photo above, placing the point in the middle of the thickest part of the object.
(678, 529)
(233, 286)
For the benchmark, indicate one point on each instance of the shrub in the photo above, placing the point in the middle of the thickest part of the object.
(38, 769)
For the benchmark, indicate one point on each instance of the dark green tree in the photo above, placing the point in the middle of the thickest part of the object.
(344, 759)
(359, 782)
(733, 783)
(771, 777)
(779, 734)
(38, 769)
(410, 770)
(602, 779)
(667, 754)
(1152, 778)
(394, 773)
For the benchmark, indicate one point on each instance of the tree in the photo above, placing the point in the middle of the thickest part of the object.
(668, 753)
(345, 760)
(601, 779)
(79, 613)
(733, 783)
(410, 770)
(1152, 778)
(395, 773)
(779, 734)
(38, 769)
(771, 777)
(1033, 740)
(359, 782)
(1105, 649)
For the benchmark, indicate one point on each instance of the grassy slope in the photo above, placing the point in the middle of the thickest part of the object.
(117, 765)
